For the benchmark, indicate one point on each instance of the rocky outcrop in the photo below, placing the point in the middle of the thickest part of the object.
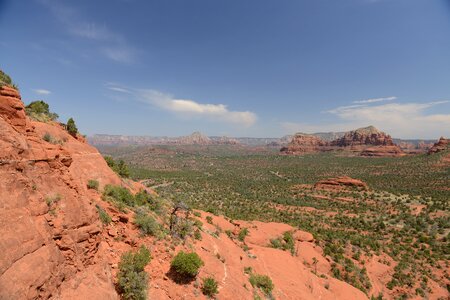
(196, 138)
(439, 146)
(304, 143)
(341, 182)
(383, 151)
(49, 226)
(363, 137)
(367, 141)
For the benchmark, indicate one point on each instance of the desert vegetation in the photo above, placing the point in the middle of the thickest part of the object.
(132, 279)
(5, 79)
(404, 214)
(39, 111)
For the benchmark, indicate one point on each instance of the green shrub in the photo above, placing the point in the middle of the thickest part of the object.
(47, 137)
(186, 264)
(210, 286)
(72, 128)
(197, 235)
(132, 279)
(119, 167)
(93, 184)
(103, 215)
(242, 234)
(5, 79)
(142, 198)
(209, 220)
(147, 224)
(285, 242)
(51, 139)
(118, 194)
(50, 200)
(262, 282)
(40, 111)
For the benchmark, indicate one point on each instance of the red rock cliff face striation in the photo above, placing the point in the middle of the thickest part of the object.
(367, 141)
(304, 143)
(363, 137)
(440, 146)
(49, 227)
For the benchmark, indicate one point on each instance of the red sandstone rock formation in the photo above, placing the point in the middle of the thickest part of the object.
(49, 226)
(376, 143)
(439, 146)
(340, 182)
(304, 143)
(383, 151)
(363, 137)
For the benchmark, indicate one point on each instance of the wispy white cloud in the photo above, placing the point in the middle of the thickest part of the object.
(187, 108)
(42, 92)
(405, 120)
(111, 45)
(373, 100)
(121, 54)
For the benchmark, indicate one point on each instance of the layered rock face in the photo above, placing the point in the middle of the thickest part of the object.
(305, 143)
(368, 141)
(440, 146)
(49, 227)
(363, 137)
(383, 151)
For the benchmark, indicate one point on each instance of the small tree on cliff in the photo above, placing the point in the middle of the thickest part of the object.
(40, 111)
(72, 128)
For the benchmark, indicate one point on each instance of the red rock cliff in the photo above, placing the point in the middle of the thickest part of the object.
(49, 227)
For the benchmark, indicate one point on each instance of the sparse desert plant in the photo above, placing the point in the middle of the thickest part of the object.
(210, 286)
(147, 224)
(72, 127)
(262, 282)
(6, 80)
(132, 279)
(285, 242)
(209, 219)
(103, 215)
(242, 234)
(47, 137)
(51, 139)
(93, 184)
(50, 200)
(197, 235)
(118, 194)
(186, 265)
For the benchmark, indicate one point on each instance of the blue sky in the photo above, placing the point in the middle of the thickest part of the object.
(239, 68)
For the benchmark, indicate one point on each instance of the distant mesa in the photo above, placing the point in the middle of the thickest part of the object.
(305, 143)
(196, 138)
(363, 137)
(439, 146)
(367, 141)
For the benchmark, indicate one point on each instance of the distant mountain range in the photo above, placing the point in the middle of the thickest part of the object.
(197, 138)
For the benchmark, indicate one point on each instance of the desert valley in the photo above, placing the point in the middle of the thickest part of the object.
(225, 150)
(195, 217)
